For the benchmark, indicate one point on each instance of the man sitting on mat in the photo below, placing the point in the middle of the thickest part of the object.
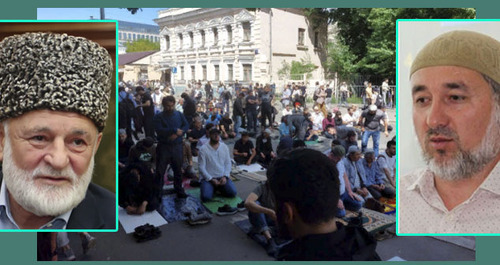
(260, 205)
(215, 166)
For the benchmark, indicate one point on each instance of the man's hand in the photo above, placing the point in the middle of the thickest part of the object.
(271, 213)
(215, 182)
(262, 155)
(245, 154)
(172, 137)
(340, 205)
(249, 162)
(222, 181)
(386, 134)
(179, 132)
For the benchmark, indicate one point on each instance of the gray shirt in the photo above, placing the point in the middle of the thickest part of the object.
(372, 121)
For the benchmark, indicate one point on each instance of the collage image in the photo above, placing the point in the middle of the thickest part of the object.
(250, 134)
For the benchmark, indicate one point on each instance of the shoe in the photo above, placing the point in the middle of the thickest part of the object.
(241, 206)
(68, 254)
(199, 219)
(181, 194)
(88, 242)
(226, 210)
(271, 247)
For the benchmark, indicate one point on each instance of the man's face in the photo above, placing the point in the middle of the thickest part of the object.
(452, 115)
(355, 156)
(369, 158)
(169, 107)
(123, 137)
(244, 139)
(214, 138)
(391, 151)
(48, 159)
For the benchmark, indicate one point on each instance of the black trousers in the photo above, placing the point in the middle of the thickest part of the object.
(169, 154)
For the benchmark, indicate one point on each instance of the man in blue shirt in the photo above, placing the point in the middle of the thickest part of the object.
(170, 126)
(374, 178)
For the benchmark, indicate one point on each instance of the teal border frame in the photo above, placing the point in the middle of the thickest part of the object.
(397, 126)
(116, 124)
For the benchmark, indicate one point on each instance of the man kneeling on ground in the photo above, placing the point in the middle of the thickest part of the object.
(215, 166)
(305, 185)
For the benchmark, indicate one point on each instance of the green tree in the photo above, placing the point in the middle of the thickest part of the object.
(142, 45)
(366, 37)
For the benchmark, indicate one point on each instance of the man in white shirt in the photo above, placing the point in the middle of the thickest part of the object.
(215, 166)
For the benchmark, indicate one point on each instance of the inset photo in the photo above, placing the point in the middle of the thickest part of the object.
(449, 127)
(57, 132)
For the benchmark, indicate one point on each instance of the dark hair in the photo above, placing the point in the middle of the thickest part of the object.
(336, 142)
(391, 143)
(139, 88)
(167, 99)
(184, 95)
(351, 133)
(209, 126)
(308, 179)
(244, 134)
(298, 143)
(121, 88)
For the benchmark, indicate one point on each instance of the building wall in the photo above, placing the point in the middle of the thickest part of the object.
(241, 52)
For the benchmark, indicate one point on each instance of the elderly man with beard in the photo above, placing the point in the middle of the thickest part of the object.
(456, 112)
(55, 91)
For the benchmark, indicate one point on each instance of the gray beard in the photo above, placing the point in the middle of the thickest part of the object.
(43, 200)
(465, 164)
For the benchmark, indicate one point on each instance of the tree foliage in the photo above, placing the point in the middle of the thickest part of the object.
(295, 70)
(142, 45)
(366, 37)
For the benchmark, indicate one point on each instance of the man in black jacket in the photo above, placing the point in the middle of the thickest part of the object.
(305, 185)
(238, 113)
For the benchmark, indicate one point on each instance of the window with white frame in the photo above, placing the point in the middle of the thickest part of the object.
(302, 33)
(246, 31)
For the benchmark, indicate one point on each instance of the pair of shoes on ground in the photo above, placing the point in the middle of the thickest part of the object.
(228, 210)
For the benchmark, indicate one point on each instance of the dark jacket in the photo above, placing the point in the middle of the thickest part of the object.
(238, 107)
(347, 243)
(167, 125)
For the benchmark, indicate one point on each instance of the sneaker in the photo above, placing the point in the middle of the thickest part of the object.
(241, 206)
(88, 242)
(226, 210)
(68, 254)
(271, 247)
(198, 219)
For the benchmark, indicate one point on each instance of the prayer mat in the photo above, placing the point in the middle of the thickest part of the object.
(175, 209)
(389, 204)
(372, 221)
(130, 222)
(216, 202)
(246, 227)
(169, 184)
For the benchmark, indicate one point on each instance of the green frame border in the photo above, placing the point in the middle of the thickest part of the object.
(397, 126)
(116, 124)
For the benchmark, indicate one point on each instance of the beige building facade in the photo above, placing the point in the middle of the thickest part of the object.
(228, 44)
